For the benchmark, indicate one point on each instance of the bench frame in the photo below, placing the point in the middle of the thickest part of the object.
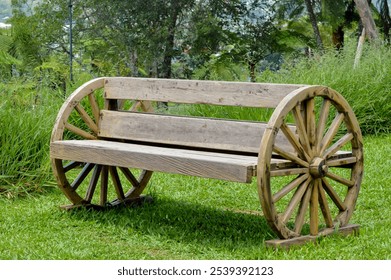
(320, 154)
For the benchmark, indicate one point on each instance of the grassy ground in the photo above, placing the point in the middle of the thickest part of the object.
(191, 218)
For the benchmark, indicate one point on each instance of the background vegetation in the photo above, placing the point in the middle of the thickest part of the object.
(264, 41)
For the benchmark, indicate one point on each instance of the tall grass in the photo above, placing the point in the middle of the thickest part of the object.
(26, 121)
(367, 88)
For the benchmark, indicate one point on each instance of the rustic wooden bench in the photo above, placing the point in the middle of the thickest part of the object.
(308, 158)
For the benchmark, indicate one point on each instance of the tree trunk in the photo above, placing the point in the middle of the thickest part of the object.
(386, 20)
(168, 53)
(338, 38)
(314, 23)
(251, 66)
(367, 20)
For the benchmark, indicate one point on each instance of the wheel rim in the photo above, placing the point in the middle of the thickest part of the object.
(316, 187)
(84, 182)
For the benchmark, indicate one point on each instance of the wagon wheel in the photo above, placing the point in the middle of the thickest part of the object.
(86, 183)
(312, 184)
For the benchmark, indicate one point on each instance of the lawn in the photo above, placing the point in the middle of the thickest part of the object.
(191, 218)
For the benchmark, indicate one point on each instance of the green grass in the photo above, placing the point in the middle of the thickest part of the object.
(192, 218)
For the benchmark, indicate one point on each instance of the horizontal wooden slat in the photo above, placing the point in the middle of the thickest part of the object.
(207, 133)
(198, 92)
(187, 162)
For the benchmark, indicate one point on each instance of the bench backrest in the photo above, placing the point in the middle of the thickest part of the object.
(205, 133)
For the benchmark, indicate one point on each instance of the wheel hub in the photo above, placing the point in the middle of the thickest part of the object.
(318, 167)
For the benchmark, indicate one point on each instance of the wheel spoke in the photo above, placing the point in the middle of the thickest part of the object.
(71, 165)
(86, 118)
(117, 183)
(324, 112)
(331, 132)
(93, 183)
(299, 221)
(288, 188)
(337, 145)
(302, 130)
(340, 179)
(295, 200)
(128, 174)
(341, 162)
(324, 206)
(104, 182)
(82, 175)
(288, 171)
(314, 219)
(79, 131)
(310, 120)
(294, 142)
(94, 107)
(333, 195)
(290, 156)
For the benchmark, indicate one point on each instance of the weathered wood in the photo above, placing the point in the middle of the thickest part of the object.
(324, 206)
(80, 132)
(297, 197)
(331, 132)
(187, 162)
(319, 146)
(323, 115)
(198, 92)
(299, 220)
(219, 134)
(288, 188)
(302, 240)
(333, 195)
(94, 181)
(314, 221)
(86, 118)
(230, 150)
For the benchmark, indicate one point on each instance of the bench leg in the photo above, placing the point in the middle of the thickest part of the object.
(301, 240)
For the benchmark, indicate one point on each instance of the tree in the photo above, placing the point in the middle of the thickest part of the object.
(314, 24)
(367, 19)
(385, 19)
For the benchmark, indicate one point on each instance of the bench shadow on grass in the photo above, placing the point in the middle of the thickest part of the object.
(187, 222)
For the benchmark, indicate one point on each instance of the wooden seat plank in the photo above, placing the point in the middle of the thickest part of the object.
(222, 166)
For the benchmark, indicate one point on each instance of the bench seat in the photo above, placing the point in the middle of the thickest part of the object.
(225, 166)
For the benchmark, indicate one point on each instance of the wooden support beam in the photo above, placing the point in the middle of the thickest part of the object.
(302, 240)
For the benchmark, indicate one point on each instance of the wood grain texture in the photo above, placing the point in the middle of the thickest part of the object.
(198, 92)
(187, 162)
(313, 139)
(301, 240)
(220, 134)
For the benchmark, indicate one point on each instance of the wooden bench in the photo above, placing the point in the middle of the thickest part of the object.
(308, 158)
